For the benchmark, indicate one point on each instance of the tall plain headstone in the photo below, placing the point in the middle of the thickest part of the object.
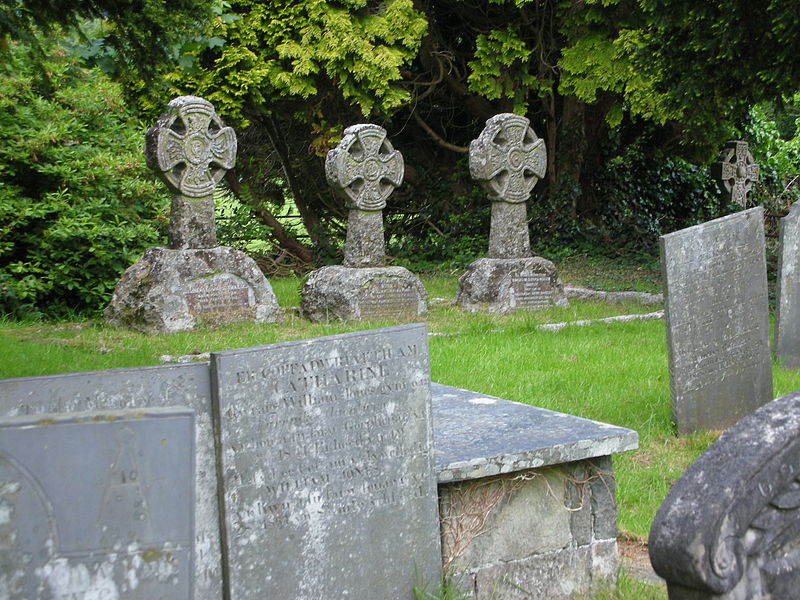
(113, 522)
(364, 169)
(327, 467)
(507, 159)
(193, 280)
(728, 530)
(717, 318)
(140, 390)
(735, 172)
(787, 302)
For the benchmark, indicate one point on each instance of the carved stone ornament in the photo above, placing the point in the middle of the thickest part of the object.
(507, 158)
(730, 527)
(190, 148)
(736, 172)
(364, 168)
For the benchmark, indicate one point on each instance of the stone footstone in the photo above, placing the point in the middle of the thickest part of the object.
(507, 159)
(348, 294)
(502, 286)
(175, 290)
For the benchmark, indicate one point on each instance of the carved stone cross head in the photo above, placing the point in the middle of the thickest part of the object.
(190, 148)
(364, 168)
(507, 158)
(736, 172)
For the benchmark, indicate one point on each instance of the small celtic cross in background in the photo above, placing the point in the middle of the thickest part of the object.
(190, 149)
(507, 158)
(736, 172)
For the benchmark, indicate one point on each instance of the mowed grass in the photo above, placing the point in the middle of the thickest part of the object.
(611, 372)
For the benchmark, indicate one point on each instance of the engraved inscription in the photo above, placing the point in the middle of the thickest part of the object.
(387, 298)
(532, 290)
(220, 293)
(332, 458)
(97, 505)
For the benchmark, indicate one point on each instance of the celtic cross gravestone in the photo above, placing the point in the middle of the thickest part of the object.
(192, 280)
(190, 149)
(735, 172)
(364, 169)
(508, 159)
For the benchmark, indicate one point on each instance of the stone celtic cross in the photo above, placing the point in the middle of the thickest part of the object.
(191, 149)
(507, 159)
(364, 169)
(735, 172)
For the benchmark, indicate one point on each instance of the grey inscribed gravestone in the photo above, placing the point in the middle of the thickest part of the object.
(787, 303)
(113, 522)
(717, 317)
(140, 389)
(327, 467)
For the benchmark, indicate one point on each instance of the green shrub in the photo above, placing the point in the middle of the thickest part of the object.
(77, 205)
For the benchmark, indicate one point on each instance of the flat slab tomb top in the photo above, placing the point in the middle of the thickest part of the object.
(476, 435)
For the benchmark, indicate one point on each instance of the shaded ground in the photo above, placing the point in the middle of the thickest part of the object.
(636, 560)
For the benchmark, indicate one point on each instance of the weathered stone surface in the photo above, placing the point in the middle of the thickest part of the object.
(113, 522)
(508, 159)
(509, 237)
(190, 149)
(787, 304)
(480, 436)
(175, 290)
(735, 172)
(717, 318)
(364, 168)
(327, 466)
(729, 527)
(364, 246)
(582, 293)
(348, 294)
(505, 285)
(141, 389)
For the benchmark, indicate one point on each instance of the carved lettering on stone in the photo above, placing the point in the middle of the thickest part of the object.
(735, 172)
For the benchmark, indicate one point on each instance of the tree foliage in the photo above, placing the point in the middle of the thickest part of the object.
(76, 204)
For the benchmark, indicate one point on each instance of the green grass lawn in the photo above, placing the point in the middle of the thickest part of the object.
(612, 372)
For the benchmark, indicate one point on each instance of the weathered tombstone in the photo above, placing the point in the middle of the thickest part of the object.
(363, 169)
(729, 528)
(508, 159)
(735, 172)
(193, 280)
(113, 522)
(717, 319)
(787, 302)
(327, 467)
(140, 390)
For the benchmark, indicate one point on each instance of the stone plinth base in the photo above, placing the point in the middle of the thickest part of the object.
(505, 285)
(526, 497)
(351, 294)
(171, 290)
